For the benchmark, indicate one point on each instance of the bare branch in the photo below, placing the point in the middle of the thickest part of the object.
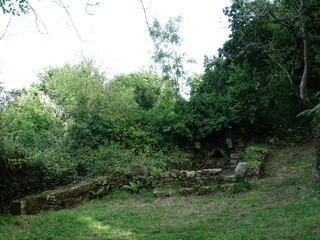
(145, 15)
(40, 25)
(63, 6)
(7, 27)
(38, 20)
(60, 3)
(90, 5)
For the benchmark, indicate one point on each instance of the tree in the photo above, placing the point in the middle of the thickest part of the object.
(27, 123)
(286, 41)
(79, 91)
(167, 40)
(247, 84)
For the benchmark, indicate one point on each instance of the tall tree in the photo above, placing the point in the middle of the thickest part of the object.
(167, 41)
(284, 39)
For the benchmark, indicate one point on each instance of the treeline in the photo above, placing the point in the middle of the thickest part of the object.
(76, 123)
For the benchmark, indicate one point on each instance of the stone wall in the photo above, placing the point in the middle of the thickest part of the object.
(59, 198)
(186, 178)
(225, 154)
(99, 187)
(69, 196)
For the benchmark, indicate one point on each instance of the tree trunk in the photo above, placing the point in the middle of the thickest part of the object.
(306, 56)
(316, 167)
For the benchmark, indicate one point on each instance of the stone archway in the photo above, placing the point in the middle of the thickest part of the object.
(217, 153)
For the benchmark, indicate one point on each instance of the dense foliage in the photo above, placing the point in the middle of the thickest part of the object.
(76, 124)
(259, 79)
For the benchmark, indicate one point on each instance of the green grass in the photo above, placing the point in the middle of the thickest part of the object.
(285, 204)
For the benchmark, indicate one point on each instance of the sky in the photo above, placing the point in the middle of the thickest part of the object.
(115, 36)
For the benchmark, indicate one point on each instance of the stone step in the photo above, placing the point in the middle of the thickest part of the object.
(229, 178)
(192, 191)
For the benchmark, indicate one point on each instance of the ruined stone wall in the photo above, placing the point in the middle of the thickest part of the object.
(70, 196)
(99, 187)
(225, 154)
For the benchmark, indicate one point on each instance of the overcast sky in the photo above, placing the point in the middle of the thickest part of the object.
(115, 36)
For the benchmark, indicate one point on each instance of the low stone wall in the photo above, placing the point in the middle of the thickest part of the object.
(59, 198)
(69, 196)
(186, 178)
(73, 195)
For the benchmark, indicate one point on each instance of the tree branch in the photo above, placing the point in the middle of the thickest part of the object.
(38, 20)
(90, 5)
(145, 16)
(7, 27)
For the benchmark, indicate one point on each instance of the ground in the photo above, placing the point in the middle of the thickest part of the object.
(284, 204)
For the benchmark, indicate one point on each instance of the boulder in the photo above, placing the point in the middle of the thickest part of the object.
(212, 171)
(229, 178)
(175, 173)
(240, 171)
(235, 155)
(229, 143)
(191, 174)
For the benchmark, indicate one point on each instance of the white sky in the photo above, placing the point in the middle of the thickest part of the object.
(116, 36)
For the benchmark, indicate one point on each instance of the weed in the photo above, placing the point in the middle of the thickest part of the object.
(241, 186)
(101, 191)
(133, 187)
(197, 184)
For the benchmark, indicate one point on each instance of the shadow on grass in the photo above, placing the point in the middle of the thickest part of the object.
(60, 225)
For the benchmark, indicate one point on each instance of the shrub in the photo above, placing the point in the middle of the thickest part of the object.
(55, 168)
(255, 154)
(241, 186)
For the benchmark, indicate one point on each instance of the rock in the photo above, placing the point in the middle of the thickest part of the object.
(254, 171)
(197, 145)
(165, 175)
(213, 171)
(240, 171)
(273, 140)
(233, 161)
(51, 199)
(187, 192)
(235, 155)
(191, 174)
(227, 187)
(206, 190)
(229, 179)
(198, 174)
(175, 173)
(229, 143)
(162, 194)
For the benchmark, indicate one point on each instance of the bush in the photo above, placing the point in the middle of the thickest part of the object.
(111, 157)
(255, 154)
(241, 187)
(55, 168)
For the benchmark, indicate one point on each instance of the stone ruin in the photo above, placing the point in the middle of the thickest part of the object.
(225, 154)
(221, 168)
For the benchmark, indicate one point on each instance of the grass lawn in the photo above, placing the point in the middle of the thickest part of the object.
(284, 204)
